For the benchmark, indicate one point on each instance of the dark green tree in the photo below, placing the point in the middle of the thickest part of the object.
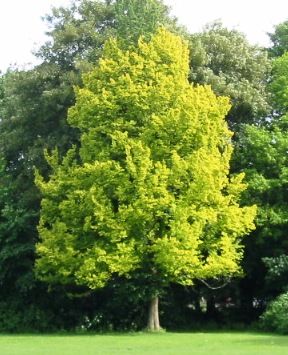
(261, 152)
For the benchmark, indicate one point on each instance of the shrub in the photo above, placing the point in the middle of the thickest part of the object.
(275, 318)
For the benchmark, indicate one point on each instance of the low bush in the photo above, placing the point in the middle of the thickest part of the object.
(275, 318)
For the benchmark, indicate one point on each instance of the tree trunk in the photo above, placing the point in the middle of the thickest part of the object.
(211, 306)
(153, 320)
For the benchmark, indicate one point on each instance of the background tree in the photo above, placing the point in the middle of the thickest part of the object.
(233, 67)
(279, 39)
(151, 193)
(32, 112)
(262, 153)
(279, 85)
(78, 33)
(135, 18)
(263, 159)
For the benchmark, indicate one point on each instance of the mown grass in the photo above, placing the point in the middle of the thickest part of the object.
(145, 343)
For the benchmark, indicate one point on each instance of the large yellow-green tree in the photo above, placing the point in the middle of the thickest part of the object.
(149, 188)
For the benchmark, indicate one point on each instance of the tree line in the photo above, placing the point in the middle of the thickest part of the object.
(91, 100)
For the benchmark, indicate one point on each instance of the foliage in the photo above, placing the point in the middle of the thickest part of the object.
(261, 152)
(135, 18)
(23, 320)
(279, 39)
(277, 266)
(225, 60)
(79, 32)
(279, 84)
(76, 32)
(15, 255)
(33, 115)
(151, 191)
(275, 317)
(277, 274)
(32, 111)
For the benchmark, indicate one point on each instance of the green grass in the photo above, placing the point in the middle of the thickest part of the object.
(145, 343)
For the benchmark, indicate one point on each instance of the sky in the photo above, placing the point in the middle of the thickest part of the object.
(22, 30)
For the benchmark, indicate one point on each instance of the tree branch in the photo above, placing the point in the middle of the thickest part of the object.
(215, 287)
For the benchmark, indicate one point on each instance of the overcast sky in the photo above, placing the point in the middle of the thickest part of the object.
(21, 28)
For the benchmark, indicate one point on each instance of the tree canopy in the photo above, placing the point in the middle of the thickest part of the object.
(233, 67)
(261, 152)
(77, 33)
(279, 39)
(151, 190)
(279, 84)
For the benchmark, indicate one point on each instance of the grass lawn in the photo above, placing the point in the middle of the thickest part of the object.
(145, 343)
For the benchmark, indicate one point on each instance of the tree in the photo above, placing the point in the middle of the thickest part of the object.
(225, 60)
(262, 156)
(279, 84)
(135, 18)
(279, 39)
(261, 152)
(149, 191)
(79, 32)
(32, 110)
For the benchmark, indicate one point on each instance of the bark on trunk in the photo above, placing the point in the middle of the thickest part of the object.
(153, 320)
